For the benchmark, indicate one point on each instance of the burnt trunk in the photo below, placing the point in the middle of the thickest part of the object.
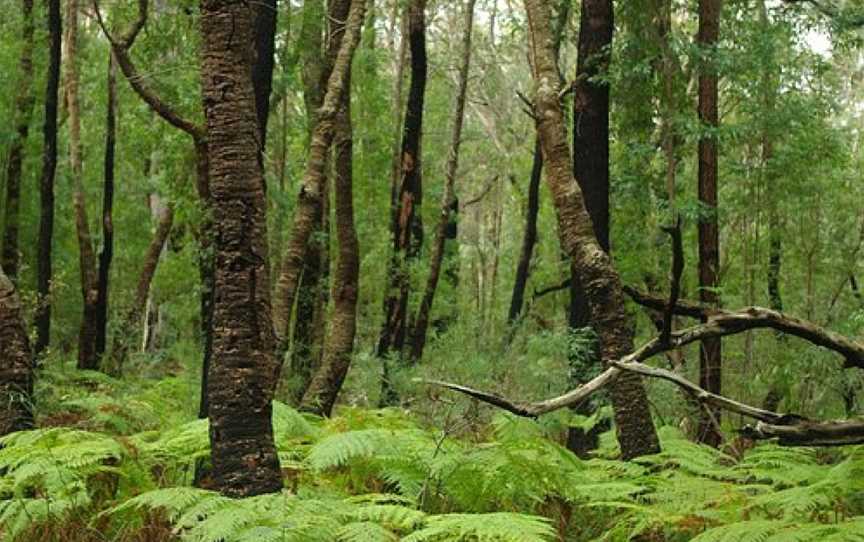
(406, 221)
(599, 278)
(320, 396)
(242, 370)
(46, 182)
(10, 256)
(107, 252)
(421, 321)
(266, 12)
(709, 237)
(16, 363)
(529, 236)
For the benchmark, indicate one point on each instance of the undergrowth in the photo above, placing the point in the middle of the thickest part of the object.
(119, 465)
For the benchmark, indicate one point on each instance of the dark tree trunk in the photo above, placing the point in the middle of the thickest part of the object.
(16, 363)
(709, 237)
(107, 252)
(126, 330)
(266, 12)
(406, 224)
(46, 182)
(529, 237)
(421, 322)
(243, 368)
(23, 111)
(600, 280)
(338, 345)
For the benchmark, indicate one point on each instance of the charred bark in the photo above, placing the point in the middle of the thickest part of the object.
(107, 252)
(598, 276)
(421, 321)
(529, 237)
(23, 111)
(242, 369)
(262, 69)
(406, 224)
(46, 182)
(16, 363)
(710, 375)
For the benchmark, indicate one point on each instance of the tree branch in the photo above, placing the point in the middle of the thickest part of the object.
(120, 47)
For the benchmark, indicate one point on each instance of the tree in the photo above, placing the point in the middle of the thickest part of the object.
(421, 321)
(406, 226)
(107, 252)
(16, 362)
(320, 396)
(710, 376)
(46, 182)
(602, 285)
(23, 111)
(242, 369)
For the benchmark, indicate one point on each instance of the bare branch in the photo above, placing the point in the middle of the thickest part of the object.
(483, 193)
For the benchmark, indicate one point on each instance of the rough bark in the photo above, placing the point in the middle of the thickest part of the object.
(338, 345)
(107, 252)
(312, 191)
(710, 375)
(24, 100)
(87, 356)
(46, 182)
(16, 363)
(242, 369)
(126, 330)
(436, 259)
(529, 237)
(406, 224)
(598, 276)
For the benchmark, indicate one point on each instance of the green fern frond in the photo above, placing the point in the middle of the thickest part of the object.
(365, 531)
(495, 527)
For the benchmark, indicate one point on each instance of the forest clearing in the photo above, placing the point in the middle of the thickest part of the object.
(432, 270)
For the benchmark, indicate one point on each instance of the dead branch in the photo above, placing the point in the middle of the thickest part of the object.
(483, 193)
(551, 289)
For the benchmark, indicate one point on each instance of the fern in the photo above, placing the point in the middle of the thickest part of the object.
(498, 527)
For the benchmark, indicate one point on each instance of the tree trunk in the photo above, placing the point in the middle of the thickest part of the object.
(406, 223)
(600, 280)
(23, 111)
(16, 363)
(529, 237)
(46, 182)
(437, 257)
(266, 12)
(311, 195)
(709, 237)
(107, 252)
(87, 356)
(126, 330)
(242, 369)
(320, 396)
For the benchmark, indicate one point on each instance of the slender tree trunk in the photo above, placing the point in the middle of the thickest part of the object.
(421, 322)
(600, 280)
(16, 363)
(23, 111)
(320, 396)
(46, 182)
(87, 356)
(312, 191)
(107, 253)
(529, 237)
(710, 375)
(242, 370)
(266, 12)
(406, 224)
(126, 330)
